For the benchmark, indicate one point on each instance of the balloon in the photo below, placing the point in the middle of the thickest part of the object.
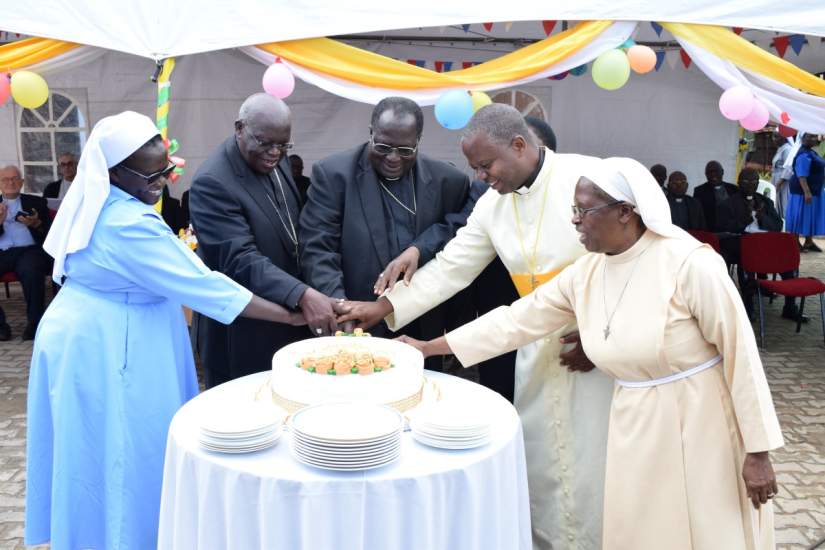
(5, 88)
(480, 99)
(454, 109)
(786, 131)
(278, 80)
(578, 71)
(611, 70)
(29, 89)
(736, 102)
(642, 59)
(629, 43)
(757, 118)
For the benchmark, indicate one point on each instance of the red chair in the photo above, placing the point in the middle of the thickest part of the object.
(777, 253)
(6, 278)
(708, 238)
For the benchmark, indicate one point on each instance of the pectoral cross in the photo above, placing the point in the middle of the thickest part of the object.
(606, 332)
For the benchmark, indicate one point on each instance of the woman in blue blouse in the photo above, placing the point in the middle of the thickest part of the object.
(805, 214)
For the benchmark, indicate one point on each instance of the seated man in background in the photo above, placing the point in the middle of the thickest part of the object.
(67, 166)
(685, 211)
(714, 192)
(25, 223)
(659, 172)
(543, 132)
(296, 165)
(750, 212)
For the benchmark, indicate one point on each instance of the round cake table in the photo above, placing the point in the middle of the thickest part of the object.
(429, 499)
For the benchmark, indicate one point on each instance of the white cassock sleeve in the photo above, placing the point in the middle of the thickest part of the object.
(707, 289)
(542, 312)
(452, 270)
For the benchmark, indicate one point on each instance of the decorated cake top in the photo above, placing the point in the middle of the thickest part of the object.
(345, 359)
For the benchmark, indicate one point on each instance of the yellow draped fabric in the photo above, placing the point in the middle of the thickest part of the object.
(370, 69)
(24, 53)
(724, 43)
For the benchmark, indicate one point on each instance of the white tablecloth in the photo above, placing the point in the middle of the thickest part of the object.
(430, 499)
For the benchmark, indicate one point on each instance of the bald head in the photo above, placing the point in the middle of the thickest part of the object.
(502, 123)
(263, 131)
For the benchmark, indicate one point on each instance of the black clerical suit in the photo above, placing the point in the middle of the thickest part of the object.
(244, 230)
(352, 226)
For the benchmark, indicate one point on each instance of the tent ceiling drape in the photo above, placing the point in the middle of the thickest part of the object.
(158, 28)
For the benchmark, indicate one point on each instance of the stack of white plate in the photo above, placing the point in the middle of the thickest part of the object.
(452, 426)
(242, 427)
(346, 436)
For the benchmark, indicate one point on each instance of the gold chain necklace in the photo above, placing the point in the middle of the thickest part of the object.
(532, 261)
(404, 206)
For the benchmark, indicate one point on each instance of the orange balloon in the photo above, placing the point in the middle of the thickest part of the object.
(642, 58)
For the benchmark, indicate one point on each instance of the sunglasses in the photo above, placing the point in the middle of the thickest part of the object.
(581, 212)
(152, 178)
(384, 150)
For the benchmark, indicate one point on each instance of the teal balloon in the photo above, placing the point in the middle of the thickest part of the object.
(629, 43)
(454, 109)
(611, 70)
(578, 71)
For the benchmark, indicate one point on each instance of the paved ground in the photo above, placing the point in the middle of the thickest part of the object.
(795, 364)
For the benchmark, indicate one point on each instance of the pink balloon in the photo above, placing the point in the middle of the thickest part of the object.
(757, 118)
(5, 88)
(278, 80)
(736, 103)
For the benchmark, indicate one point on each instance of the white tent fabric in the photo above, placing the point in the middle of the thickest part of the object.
(158, 28)
(611, 38)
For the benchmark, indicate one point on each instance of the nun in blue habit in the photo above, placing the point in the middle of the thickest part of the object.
(112, 362)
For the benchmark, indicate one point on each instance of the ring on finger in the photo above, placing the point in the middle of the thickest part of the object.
(319, 331)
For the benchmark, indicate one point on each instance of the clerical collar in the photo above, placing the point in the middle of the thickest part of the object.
(524, 189)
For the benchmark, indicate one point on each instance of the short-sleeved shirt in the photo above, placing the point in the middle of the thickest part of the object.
(810, 165)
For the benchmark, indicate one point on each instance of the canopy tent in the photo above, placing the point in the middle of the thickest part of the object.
(364, 76)
(157, 28)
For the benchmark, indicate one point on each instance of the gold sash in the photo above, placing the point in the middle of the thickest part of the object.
(527, 282)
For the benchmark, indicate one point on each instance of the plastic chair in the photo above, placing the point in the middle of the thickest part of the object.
(775, 252)
(6, 278)
(708, 238)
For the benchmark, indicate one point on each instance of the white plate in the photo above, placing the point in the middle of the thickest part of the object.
(452, 437)
(348, 467)
(346, 452)
(242, 435)
(347, 422)
(346, 457)
(467, 413)
(234, 418)
(238, 450)
(449, 445)
(367, 443)
(235, 442)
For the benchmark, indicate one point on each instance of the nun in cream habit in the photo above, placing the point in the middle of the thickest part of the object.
(692, 419)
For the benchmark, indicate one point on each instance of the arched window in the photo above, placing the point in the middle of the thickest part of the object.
(527, 104)
(56, 127)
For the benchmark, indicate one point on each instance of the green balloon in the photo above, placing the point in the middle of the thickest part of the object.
(611, 70)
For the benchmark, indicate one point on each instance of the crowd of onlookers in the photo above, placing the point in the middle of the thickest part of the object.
(791, 202)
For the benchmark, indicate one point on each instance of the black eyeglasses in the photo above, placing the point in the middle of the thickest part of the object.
(269, 145)
(152, 178)
(580, 212)
(384, 150)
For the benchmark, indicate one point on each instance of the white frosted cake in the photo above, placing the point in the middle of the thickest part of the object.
(347, 368)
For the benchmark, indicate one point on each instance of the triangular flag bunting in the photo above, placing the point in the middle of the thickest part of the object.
(468, 64)
(417, 62)
(685, 58)
(797, 41)
(439, 66)
(548, 26)
(781, 44)
(657, 27)
(448, 66)
(660, 58)
(488, 26)
(738, 30)
(508, 25)
(465, 27)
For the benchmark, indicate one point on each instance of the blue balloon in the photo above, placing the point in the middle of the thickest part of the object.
(454, 109)
(578, 71)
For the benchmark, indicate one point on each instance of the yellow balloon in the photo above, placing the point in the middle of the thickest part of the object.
(29, 89)
(480, 99)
